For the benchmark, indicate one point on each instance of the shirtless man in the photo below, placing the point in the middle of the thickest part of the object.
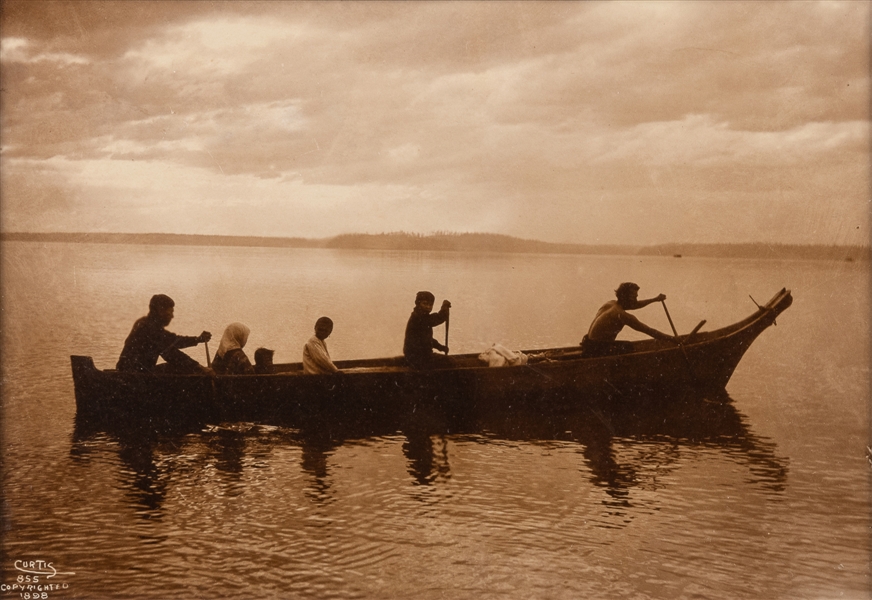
(610, 320)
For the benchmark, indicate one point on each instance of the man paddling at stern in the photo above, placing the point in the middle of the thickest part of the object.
(149, 339)
(610, 320)
(419, 342)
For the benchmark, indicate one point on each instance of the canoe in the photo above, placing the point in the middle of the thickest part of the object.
(703, 360)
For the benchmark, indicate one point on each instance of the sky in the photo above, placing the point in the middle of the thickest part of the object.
(574, 122)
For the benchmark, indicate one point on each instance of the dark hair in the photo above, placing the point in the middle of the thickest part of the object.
(324, 321)
(160, 302)
(625, 290)
(424, 297)
(263, 361)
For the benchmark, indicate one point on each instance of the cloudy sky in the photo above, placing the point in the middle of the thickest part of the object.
(619, 122)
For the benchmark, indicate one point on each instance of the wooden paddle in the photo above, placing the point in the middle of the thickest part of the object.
(695, 329)
(446, 333)
(671, 324)
(208, 359)
(680, 345)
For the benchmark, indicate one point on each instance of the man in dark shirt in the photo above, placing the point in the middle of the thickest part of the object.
(149, 339)
(419, 342)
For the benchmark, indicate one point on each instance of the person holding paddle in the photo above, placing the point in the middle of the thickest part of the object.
(419, 342)
(149, 340)
(612, 317)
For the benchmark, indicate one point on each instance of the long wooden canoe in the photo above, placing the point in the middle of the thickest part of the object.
(702, 360)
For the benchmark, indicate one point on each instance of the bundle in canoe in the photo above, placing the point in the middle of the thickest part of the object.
(702, 360)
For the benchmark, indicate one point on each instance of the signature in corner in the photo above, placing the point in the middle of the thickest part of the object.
(38, 567)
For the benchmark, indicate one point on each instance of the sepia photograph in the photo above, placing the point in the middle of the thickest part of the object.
(429, 300)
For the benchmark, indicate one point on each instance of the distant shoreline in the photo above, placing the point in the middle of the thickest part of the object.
(459, 242)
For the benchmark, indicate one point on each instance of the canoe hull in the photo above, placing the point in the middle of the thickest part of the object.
(558, 375)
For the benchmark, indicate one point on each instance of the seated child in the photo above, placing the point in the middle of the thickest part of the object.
(263, 361)
(316, 358)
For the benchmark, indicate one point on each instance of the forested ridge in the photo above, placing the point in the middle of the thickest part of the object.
(460, 242)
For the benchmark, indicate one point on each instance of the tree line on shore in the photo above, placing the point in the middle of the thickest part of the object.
(461, 242)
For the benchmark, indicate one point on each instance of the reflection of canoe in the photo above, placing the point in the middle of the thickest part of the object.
(622, 450)
(703, 360)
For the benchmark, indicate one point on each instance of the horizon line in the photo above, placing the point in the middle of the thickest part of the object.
(436, 234)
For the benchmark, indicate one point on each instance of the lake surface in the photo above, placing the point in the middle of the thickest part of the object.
(765, 497)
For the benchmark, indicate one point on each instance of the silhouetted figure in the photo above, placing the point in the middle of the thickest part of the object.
(230, 359)
(263, 361)
(316, 357)
(419, 342)
(149, 340)
(612, 317)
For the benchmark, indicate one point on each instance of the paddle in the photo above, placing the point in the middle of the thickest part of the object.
(446, 333)
(208, 359)
(675, 333)
(695, 329)
(680, 345)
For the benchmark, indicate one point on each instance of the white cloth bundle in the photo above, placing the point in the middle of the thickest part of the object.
(500, 356)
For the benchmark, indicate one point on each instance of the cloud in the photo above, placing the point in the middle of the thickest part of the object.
(13, 49)
(20, 50)
(205, 49)
(771, 67)
(552, 120)
(698, 141)
(198, 131)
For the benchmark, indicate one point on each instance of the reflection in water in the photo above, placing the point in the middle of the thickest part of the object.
(426, 448)
(628, 445)
(227, 446)
(148, 488)
(317, 447)
(606, 471)
(428, 457)
(624, 446)
(144, 480)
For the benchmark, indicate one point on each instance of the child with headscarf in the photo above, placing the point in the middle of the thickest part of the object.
(230, 359)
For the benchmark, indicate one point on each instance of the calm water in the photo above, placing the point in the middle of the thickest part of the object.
(766, 495)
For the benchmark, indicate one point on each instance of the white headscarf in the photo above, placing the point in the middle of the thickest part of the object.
(234, 337)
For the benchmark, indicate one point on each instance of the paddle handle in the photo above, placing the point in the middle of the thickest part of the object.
(208, 358)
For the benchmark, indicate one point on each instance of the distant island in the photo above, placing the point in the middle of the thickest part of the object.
(459, 242)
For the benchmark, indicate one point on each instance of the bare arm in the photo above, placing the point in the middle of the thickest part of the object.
(644, 303)
(634, 323)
